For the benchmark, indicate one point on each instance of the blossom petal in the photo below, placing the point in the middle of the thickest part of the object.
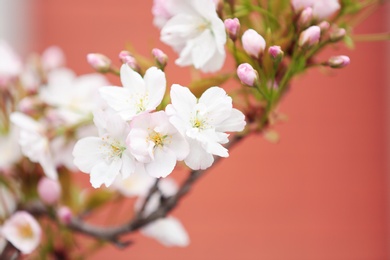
(119, 99)
(168, 231)
(235, 122)
(182, 100)
(131, 80)
(155, 85)
(105, 173)
(163, 164)
(198, 158)
(88, 152)
(128, 165)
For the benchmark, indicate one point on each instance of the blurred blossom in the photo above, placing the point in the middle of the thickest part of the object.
(168, 231)
(322, 9)
(137, 184)
(34, 143)
(337, 34)
(73, 97)
(138, 95)
(49, 190)
(8, 202)
(156, 143)
(52, 58)
(276, 53)
(253, 43)
(310, 36)
(162, 11)
(9, 149)
(197, 34)
(305, 17)
(105, 157)
(247, 74)
(99, 62)
(232, 27)
(64, 214)
(339, 61)
(160, 57)
(324, 26)
(10, 63)
(204, 122)
(22, 231)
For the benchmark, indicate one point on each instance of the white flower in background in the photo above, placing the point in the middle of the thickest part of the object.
(52, 58)
(10, 63)
(105, 157)
(73, 97)
(168, 231)
(204, 122)
(22, 231)
(322, 9)
(197, 33)
(162, 11)
(34, 143)
(137, 95)
(137, 184)
(9, 148)
(8, 202)
(154, 141)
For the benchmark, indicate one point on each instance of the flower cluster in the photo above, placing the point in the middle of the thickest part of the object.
(134, 137)
(130, 138)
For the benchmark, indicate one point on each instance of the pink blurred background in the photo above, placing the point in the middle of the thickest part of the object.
(322, 192)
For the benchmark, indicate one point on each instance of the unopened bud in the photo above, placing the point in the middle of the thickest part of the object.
(247, 74)
(31, 105)
(49, 190)
(310, 36)
(64, 214)
(324, 26)
(306, 17)
(253, 43)
(338, 61)
(276, 53)
(127, 58)
(337, 34)
(99, 62)
(232, 27)
(160, 57)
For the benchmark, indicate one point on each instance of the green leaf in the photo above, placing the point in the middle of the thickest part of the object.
(349, 42)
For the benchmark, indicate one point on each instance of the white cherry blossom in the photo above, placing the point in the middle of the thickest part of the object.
(197, 33)
(10, 63)
(156, 143)
(105, 157)
(22, 231)
(204, 122)
(322, 9)
(73, 97)
(138, 95)
(35, 143)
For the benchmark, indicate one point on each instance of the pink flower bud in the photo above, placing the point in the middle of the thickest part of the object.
(160, 57)
(127, 58)
(247, 74)
(232, 27)
(276, 52)
(324, 26)
(310, 36)
(338, 61)
(49, 190)
(99, 62)
(64, 214)
(337, 34)
(305, 17)
(253, 43)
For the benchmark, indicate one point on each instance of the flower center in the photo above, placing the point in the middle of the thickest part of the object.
(158, 139)
(113, 148)
(25, 231)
